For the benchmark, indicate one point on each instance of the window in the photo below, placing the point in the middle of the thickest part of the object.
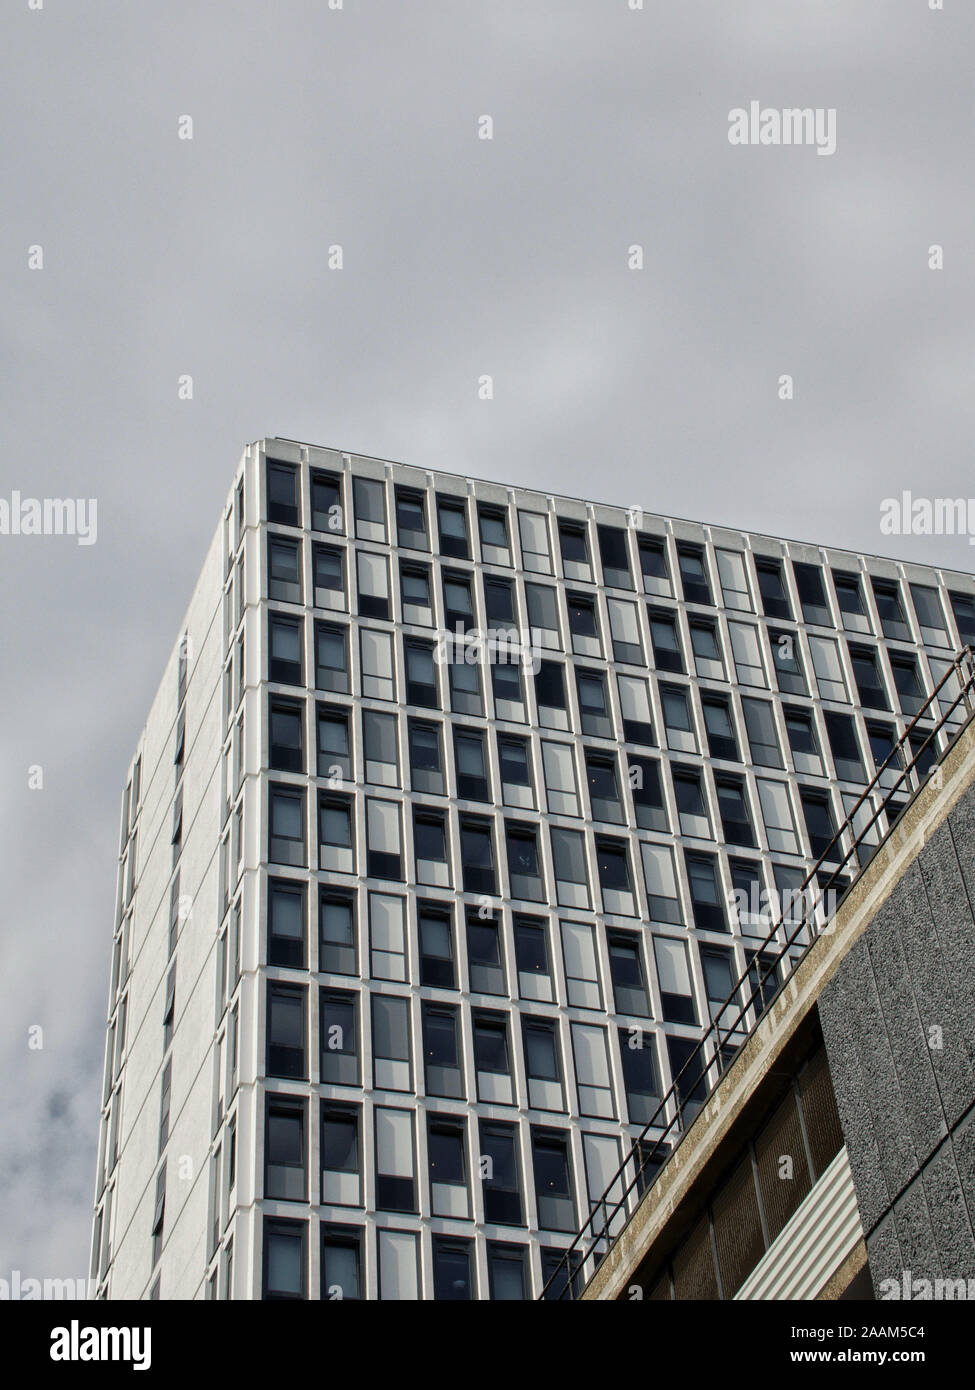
(811, 594)
(446, 1149)
(514, 760)
(691, 1089)
(485, 956)
(442, 1064)
(336, 846)
(550, 695)
(643, 775)
(615, 557)
(801, 728)
(707, 905)
(436, 946)
(673, 972)
(930, 616)
(720, 730)
(282, 494)
(733, 579)
(661, 880)
(373, 584)
(492, 1057)
(593, 1081)
(536, 556)
(452, 526)
(593, 704)
(788, 667)
(165, 1100)
(777, 814)
(613, 862)
(574, 546)
(286, 1031)
(327, 513)
(584, 625)
(718, 966)
(553, 1180)
(458, 600)
(286, 923)
(524, 874)
(653, 566)
(762, 735)
(845, 746)
(395, 1160)
(624, 626)
(641, 1077)
(337, 936)
(472, 783)
(285, 719)
(287, 825)
(665, 639)
(285, 1170)
(334, 746)
(708, 660)
(869, 682)
(907, 682)
(341, 1167)
(775, 599)
(828, 669)
(379, 740)
(963, 607)
(391, 1042)
(499, 603)
(747, 654)
(387, 936)
(369, 501)
(421, 678)
(376, 650)
(604, 791)
(411, 519)
(285, 1259)
(819, 820)
(581, 965)
(888, 599)
(543, 615)
(341, 1262)
(414, 583)
(678, 726)
(430, 848)
(285, 642)
(332, 658)
(692, 811)
(399, 1267)
(493, 528)
(532, 958)
(477, 855)
(169, 1008)
(693, 573)
(426, 758)
(509, 695)
(339, 1031)
(564, 1270)
(453, 1271)
(750, 898)
(328, 565)
(569, 861)
(501, 1181)
(850, 600)
(733, 806)
(626, 968)
(562, 793)
(284, 571)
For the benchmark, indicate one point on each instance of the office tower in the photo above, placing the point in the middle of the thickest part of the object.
(411, 935)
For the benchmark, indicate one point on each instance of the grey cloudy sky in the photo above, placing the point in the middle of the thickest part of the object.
(462, 257)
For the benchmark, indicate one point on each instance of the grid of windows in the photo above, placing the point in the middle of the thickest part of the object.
(507, 878)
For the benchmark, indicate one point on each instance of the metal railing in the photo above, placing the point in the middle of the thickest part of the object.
(683, 1098)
